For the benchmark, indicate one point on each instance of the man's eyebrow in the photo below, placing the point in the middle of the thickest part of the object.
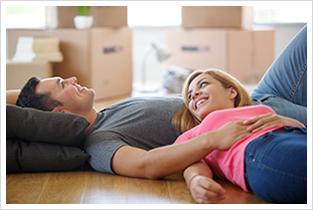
(58, 82)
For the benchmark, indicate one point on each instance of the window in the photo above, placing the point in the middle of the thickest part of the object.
(279, 13)
(25, 17)
(154, 15)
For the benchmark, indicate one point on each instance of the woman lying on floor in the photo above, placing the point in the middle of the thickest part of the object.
(272, 162)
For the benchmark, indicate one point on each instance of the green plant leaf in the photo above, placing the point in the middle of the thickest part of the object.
(83, 10)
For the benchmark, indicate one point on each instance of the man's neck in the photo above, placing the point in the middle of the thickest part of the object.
(91, 117)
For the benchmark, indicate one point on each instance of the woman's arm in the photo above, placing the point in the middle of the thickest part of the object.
(203, 188)
(11, 96)
(167, 160)
(269, 120)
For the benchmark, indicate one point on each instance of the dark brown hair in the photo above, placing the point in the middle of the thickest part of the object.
(29, 98)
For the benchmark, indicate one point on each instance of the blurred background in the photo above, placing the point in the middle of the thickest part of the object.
(264, 29)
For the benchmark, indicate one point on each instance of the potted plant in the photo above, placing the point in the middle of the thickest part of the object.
(83, 20)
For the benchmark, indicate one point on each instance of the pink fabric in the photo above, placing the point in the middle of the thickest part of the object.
(229, 164)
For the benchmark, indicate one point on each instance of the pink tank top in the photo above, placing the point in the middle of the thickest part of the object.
(229, 164)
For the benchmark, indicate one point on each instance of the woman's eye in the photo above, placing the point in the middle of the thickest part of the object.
(203, 84)
(62, 83)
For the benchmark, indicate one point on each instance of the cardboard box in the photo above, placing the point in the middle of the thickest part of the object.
(245, 54)
(217, 16)
(100, 58)
(103, 16)
(17, 73)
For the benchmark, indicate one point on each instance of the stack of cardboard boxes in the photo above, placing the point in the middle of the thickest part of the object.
(100, 57)
(224, 38)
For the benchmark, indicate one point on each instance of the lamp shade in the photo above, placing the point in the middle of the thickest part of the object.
(162, 52)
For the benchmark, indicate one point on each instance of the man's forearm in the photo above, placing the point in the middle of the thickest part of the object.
(174, 158)
(171, 159)
(167, 160)
(11, 96)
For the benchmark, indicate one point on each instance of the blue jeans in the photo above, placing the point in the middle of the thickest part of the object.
(284, 85)
(276, 166)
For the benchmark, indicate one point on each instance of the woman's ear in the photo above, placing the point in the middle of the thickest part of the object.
(232, 93)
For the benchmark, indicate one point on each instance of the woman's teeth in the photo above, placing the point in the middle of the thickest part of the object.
(200, 102)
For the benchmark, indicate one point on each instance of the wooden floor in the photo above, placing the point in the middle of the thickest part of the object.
(90, 187)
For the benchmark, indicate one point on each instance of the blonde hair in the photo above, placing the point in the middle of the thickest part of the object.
(184, 120)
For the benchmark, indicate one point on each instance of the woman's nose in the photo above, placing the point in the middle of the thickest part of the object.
(195, 94)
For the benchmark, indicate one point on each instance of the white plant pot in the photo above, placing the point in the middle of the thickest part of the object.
(83, 22)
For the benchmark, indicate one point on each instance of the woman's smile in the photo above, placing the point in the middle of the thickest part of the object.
(200, 101)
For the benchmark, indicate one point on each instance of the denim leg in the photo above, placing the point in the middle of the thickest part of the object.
(284, 107)
(276, 166)
(287, 76)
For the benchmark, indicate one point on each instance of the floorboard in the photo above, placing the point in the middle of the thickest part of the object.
(25, 188)
(64, 188)
(105, 188)
(90, 187)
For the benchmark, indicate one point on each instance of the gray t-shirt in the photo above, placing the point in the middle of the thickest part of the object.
(139, 122)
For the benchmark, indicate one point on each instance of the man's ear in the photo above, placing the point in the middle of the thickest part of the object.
(232, 93)
(60, 109)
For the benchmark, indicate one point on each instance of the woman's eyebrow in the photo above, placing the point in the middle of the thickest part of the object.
(200, 81)
(196, 84)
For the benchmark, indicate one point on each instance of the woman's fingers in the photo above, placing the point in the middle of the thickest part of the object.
(210, 184)
(206, 190)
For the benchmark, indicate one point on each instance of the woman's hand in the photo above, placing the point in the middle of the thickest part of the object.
(206, 190)
(269, 120)
(203, 188)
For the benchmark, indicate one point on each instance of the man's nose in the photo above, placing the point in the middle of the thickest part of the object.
(72, 80)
